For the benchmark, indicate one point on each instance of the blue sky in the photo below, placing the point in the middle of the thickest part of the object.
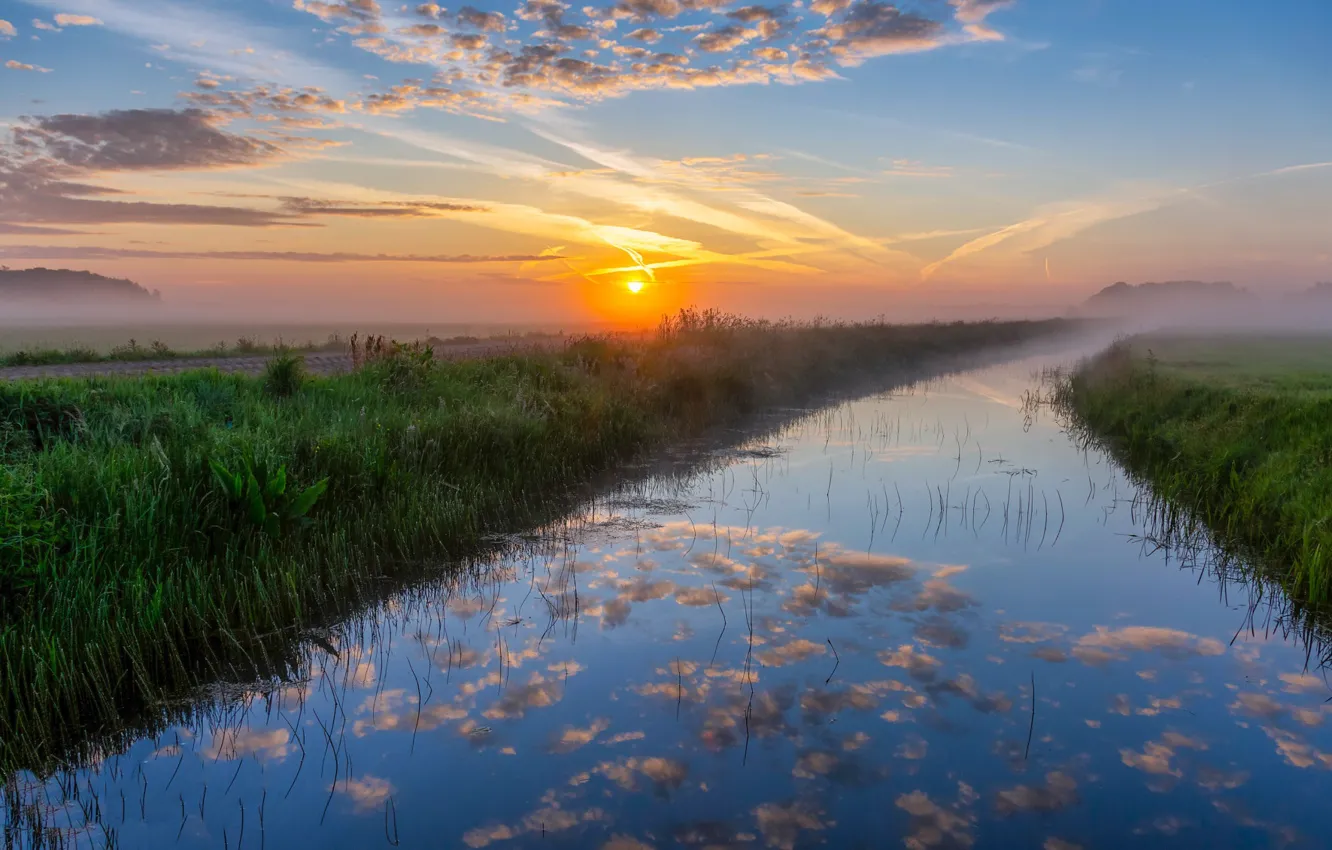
(755, 156)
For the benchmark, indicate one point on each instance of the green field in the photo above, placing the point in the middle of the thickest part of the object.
(1237, 428)
(157, 529)
(45, 346)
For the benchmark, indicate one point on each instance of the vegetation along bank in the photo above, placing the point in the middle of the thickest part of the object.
(1235, 428)
(155, 529)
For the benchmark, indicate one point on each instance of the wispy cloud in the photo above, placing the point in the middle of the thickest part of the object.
(1054, 223)
(1294, 169)
(15, 65)
(206, 38)
(65, 252)
(66, 20)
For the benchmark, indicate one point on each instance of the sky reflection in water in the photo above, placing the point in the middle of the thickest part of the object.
(798, 649)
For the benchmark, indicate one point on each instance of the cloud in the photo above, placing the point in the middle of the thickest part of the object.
(54, 252)
(1059, 791)
(8, 228)
(973, 13)
(369, 793)
(1054, 223)
(485, 21)
(645, 35)
(724, 39)
(1110, 644)
(262, 98)
(7, 29)
(870, 28)
(932, 825)
(232, 44)
(67, 20)
(912, 168)
(15, 65)
(828, 8)
(753, 14)
(537, 692)
(268, 744)
(47, 161)
(633, 186)
(140, 140)
(539, 59)
(374, 209)
(781, 824)
(573, 737)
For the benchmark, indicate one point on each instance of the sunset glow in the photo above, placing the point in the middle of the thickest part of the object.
(847, 156)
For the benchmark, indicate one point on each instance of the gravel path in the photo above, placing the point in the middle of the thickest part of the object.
(318, 363)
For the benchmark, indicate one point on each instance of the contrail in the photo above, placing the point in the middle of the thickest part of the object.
(637, 258)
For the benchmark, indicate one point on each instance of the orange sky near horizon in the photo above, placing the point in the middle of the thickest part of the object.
(528, 161)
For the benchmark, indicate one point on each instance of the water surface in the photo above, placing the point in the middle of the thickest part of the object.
(925, 619)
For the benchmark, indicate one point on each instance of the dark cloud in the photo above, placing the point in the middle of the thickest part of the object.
(487, 21)
(941, 633)
(341, 10)
(468, 40)
(32, 192)
(645, 35)
(723, 39)
(538, 692)
(646, 10)
(140, 140)
(7, 229)
(751, 14)
(54, 252)
(377, 209)
(572, 32)
(542, 10)
(870, 28)
(45, 163)
(423, 30)
(261, 98)
(1059, 791)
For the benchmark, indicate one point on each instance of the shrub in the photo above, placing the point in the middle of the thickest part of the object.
(284, 375)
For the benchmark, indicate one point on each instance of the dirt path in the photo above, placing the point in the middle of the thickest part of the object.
(318, 363)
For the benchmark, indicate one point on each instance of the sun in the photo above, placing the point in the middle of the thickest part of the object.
(635, 286)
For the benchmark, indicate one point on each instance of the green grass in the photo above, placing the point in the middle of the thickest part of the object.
(45, 354)
(1236, 429)
(134, 560)
(155, 350)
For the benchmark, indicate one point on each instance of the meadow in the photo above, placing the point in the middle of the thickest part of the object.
(158, 529)
(1236, 428)
(52, 345)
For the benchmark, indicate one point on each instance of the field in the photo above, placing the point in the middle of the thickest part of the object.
(1236, 428)
(158, 528)
(36, 345)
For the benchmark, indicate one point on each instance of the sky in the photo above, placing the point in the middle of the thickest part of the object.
(520, 162)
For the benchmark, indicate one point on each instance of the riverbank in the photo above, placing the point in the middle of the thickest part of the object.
(157, 527)
(1236, 429)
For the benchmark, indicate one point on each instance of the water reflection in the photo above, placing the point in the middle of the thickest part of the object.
(923, 620)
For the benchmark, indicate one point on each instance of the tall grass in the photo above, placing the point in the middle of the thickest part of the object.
(1251, 460)
(129, 570)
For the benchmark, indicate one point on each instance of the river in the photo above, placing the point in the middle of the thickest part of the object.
(926, 619)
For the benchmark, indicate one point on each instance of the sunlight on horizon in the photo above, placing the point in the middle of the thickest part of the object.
(354, 156)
